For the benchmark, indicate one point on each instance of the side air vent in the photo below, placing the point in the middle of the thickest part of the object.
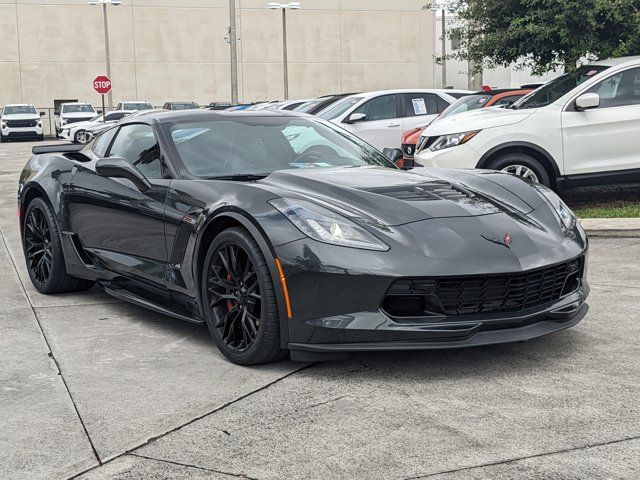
(423, 192)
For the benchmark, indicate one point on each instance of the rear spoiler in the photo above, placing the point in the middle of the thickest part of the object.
(68, 148)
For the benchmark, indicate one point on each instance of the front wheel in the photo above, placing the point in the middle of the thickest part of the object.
(522, 165)
(82, 136)
(238, 296)
(43, 252)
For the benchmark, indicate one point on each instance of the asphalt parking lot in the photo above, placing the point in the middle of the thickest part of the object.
(94, 388)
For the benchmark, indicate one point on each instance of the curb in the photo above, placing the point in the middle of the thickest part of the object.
(612, 227)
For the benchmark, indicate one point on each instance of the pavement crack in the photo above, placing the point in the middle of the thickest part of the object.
(50, 353)
(526, 457)
(331, 400)
(190, 465)
(193, 420)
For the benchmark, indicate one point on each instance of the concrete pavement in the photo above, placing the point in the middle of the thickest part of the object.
(93, 388)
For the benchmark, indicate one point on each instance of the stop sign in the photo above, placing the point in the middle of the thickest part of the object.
(102, 84)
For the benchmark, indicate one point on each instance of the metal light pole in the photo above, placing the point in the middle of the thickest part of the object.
(233, 44)
(107, 49)
(434, 7)
(285, 63)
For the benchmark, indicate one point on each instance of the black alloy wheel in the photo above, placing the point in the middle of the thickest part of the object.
(43, 252)
(239, 299)
(38, 246)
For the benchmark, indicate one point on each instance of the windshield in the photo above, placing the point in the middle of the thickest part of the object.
(263, 145)
(466, 104)
(184, 106)
(138, 106)
(20, 109)
(305, 107)
(334, 111)
(559, 87)
(78, 109)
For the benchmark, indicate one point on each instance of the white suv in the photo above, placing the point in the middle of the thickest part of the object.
(20, 121)
(380, 118)
(73, 113)
(134, 105)
(581, 128)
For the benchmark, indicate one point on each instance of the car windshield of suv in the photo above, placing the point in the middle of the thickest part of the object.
(559, 87)
(78, 109)
(305, 107)
(20, 109)
(260, 146)
(184, 106)
(334, 111)
(466, 104)
(138, 106)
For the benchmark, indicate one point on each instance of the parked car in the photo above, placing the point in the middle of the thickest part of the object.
(380, 118)
(180, 106)
(220, 105)
(134, 105)
(20, 120)
(289, 104)
(73, 113)
(581, 128)
(484, 99)
(315, 106)
(314, 248)
(83, 132)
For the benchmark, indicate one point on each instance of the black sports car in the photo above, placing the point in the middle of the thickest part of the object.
(284, 233)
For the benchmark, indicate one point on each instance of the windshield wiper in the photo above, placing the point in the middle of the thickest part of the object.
(241, 177)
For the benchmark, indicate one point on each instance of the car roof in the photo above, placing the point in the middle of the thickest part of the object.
(166, 116)
(613, 62)
(19, 105)
(411, 90)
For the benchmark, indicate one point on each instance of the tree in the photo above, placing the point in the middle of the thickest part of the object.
(545, 34)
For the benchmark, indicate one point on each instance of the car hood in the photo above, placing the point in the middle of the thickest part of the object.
(78, 115)
(82, 125)
(21, 116)
(396, 197)
(476, 120)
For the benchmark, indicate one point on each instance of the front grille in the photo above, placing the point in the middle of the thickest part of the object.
(75, 120)
(437, 190)
(21, 123)
(451, 296)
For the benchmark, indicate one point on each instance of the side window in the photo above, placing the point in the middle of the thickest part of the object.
(379, 108)
(101, 143)
(442, 104)
(417, 104)
(166, 106)
(138, 145)
(619, 90)
(111, 117)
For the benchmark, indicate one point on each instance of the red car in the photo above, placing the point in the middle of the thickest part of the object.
(492, 98)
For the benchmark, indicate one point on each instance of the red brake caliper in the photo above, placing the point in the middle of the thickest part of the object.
(229, 304)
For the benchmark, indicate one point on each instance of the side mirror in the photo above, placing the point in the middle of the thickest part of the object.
(42, 114)
(393, 154)
(99, 111)
(355, 117)
(118, 167)
(587, 101)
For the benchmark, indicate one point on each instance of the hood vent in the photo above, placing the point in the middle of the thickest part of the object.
(423, 192)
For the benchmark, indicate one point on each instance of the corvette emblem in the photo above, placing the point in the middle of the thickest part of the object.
(504, 241)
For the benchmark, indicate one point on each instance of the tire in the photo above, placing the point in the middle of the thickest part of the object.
(246, 329)
(521, 162)
(40, 138)
(48, 275)
(2, 138)
(79, 138)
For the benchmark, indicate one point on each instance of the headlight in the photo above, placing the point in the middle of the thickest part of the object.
(326, 226)
(567, 217)
(453, 140)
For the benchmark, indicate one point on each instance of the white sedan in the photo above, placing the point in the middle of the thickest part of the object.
(380, 118)
(83, 132)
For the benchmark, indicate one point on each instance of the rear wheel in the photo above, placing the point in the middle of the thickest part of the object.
(239, 300)
(522, 165)
(43, 252)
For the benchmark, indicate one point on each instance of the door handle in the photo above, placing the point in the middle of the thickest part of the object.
(393, 125)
